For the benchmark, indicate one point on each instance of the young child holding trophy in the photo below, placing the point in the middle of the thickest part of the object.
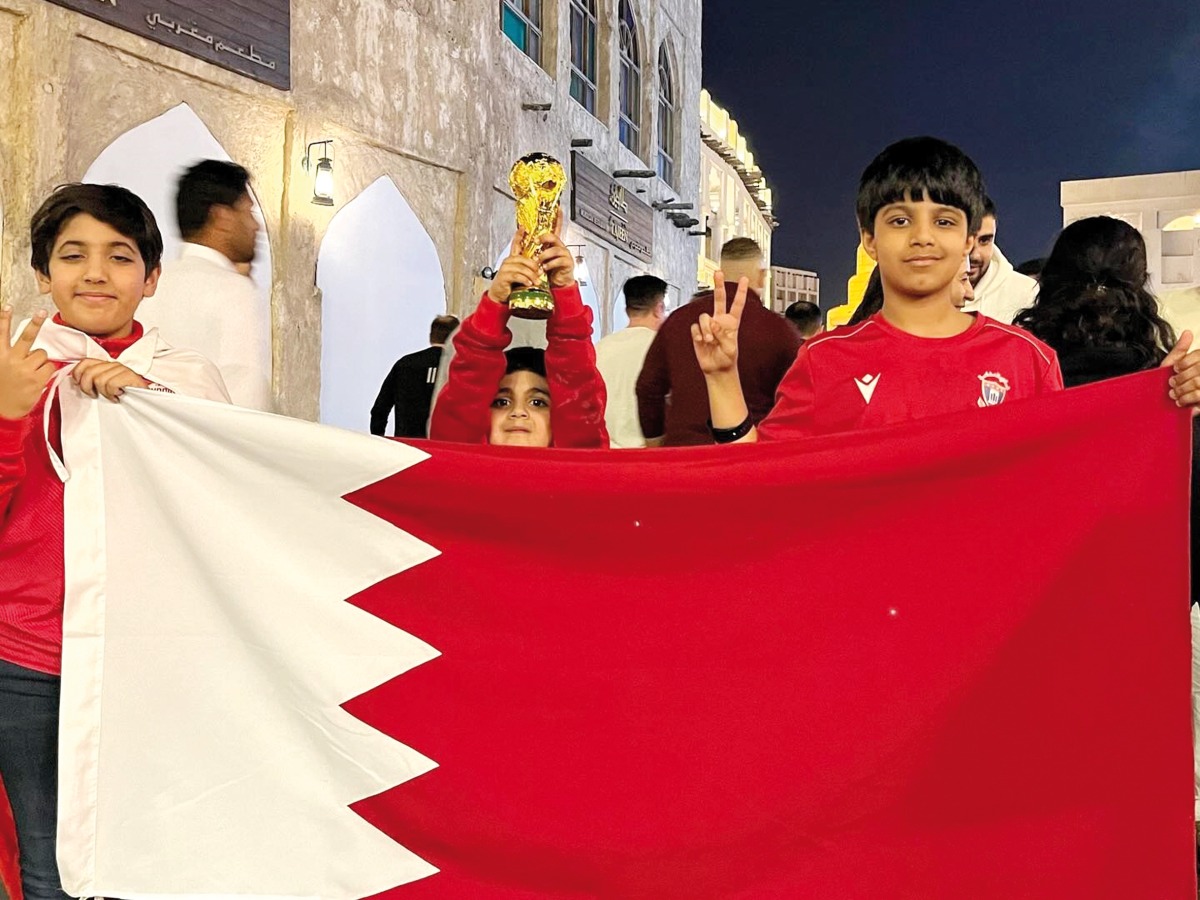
(527, 397)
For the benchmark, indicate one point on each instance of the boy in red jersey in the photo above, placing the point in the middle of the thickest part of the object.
(96, 251)
(919, 202)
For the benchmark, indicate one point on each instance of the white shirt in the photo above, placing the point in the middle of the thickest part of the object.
(203, 303)
(619, 358)
(1002, 292)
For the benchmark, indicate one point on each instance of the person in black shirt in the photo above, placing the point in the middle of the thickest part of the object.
(408, 388)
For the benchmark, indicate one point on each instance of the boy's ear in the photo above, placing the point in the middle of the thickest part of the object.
(151, 282)
(868, 242)
(43, 282)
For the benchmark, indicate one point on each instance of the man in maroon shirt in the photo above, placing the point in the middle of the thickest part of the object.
(671, 392)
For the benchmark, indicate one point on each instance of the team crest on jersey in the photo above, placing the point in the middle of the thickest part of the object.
(993, 389)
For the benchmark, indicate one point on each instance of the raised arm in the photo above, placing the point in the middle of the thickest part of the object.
(24, 374)
(462, 411)
(577, 392)
(715, 340)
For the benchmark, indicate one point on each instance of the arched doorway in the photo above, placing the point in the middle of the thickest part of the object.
(148, 160)
(381, 285)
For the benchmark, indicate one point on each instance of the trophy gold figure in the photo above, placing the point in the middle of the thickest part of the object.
(537, 181)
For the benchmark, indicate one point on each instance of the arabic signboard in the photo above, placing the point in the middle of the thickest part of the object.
(250, 37)
(605, 206)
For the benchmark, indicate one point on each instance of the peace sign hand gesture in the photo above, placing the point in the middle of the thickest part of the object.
(24, 372)
(715, 337)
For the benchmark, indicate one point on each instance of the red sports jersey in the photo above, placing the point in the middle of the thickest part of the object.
(874, 374)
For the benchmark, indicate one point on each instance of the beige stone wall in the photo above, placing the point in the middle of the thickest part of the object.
(427, 92)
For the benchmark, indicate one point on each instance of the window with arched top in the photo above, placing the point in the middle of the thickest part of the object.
(521, 21)
(584, 25)
(631, 79)
(667, 112)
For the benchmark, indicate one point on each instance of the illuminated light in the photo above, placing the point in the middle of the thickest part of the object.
(323, 182)
(322, 173)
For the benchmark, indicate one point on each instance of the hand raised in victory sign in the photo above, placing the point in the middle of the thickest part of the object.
(515, 272)
(24, 372)
(715, 337)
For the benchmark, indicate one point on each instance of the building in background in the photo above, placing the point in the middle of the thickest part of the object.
(379, 141)
(791, 285)
(1165, 208)
(734, 198)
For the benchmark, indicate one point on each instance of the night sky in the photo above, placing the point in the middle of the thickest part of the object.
(1036, 92)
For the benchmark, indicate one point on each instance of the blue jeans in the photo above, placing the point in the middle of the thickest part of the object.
(29, 767)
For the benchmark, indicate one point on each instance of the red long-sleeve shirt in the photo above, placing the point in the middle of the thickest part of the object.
(31, 535)
(577, 394)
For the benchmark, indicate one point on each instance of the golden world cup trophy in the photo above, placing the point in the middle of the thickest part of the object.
(537, 181)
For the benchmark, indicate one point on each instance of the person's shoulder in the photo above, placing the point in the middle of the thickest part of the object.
(1017, 337)
(842, 336)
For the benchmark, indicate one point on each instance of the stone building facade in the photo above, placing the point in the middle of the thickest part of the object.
(429, 94)
(735, 200)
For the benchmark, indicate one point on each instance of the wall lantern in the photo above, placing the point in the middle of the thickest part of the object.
(322, 173)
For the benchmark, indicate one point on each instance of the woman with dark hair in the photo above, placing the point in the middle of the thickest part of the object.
(1093, 306)
(1094, 309)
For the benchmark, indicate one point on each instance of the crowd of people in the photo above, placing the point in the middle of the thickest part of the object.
(947, 324)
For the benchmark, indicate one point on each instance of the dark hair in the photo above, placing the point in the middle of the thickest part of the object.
(1032, 267)
(441, 329)
(989, 207)
(805, 315)
(1093, 294)
(643, 293)
(872, 301)
(119, 208)
(212, 182)
(525, 359)
(916, 168)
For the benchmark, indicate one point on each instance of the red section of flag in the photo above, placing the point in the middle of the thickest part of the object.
(948, 660)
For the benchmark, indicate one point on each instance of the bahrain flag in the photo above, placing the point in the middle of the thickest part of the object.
(943, 660)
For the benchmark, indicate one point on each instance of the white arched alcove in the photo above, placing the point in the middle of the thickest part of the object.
(381, 287)
(620, 318)
(148, 160)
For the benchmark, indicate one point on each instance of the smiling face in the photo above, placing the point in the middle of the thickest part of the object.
(985, 247)
(97, 278)
(521, 411)
(919, 246)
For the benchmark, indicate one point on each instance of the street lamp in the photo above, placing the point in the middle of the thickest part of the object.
(322, 173)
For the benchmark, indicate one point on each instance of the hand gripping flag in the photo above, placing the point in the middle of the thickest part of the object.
(943, 660)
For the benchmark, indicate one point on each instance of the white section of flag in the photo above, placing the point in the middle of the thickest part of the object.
(208, 755)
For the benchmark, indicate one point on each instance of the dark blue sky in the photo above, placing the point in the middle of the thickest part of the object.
(1036, 91)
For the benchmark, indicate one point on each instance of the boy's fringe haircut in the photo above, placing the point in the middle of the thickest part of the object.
(919, 168)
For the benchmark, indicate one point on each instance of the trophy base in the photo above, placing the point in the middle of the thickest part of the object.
(531, 303)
